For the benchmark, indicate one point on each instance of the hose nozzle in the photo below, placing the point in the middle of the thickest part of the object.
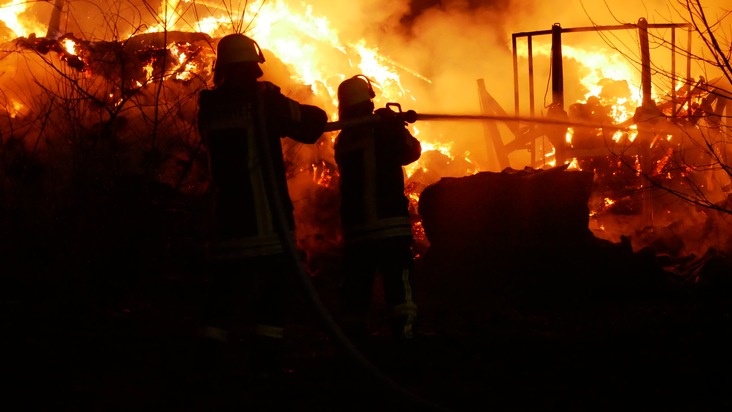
(410, 116)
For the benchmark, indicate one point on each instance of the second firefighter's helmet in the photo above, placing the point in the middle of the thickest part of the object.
(355, 90)
(236, 48)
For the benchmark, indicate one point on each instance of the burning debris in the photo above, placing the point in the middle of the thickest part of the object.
(135, 62)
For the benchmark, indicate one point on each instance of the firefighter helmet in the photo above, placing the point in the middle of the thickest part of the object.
(235, 48)
(355, 90)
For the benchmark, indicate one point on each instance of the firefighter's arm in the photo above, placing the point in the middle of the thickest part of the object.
(413, 148)
(308, 122)
(201, 117)
(302, 122)
(407, 148)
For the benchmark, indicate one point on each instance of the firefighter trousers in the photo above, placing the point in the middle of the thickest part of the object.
(392, 259)
(251, 292)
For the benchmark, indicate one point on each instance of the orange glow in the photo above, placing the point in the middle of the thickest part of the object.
(69, 45)
(14, 108)
(10, 12)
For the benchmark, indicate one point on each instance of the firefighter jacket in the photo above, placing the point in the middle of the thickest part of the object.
(370, 161)
(232, 122)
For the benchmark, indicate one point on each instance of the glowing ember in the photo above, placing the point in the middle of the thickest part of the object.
(14, 108)
(70, 46)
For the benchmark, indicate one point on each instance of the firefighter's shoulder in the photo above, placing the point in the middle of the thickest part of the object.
(269, 87)
(205, 93)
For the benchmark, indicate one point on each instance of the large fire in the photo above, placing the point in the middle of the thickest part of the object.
(310, 56)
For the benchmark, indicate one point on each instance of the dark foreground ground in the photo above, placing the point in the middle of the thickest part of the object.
(100, 311)
(119, 340)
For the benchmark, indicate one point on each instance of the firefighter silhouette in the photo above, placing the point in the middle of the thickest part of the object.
(241, 121)
(377, 234)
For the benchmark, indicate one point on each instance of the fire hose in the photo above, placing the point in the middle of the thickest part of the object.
(411, 116)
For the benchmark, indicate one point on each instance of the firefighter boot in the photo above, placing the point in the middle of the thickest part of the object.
(401, 353)
(402, 321)
(210, 348)
(208, 366)
(265, 360)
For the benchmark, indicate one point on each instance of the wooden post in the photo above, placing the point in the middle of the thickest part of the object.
(54, 24)
(557, 67)
(646, 116)
(645, 61)
(557, 134)
(489, 106)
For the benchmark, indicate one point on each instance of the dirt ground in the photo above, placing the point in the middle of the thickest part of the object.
(111, 336)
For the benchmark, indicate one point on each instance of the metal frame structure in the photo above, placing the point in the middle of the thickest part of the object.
(557, 72)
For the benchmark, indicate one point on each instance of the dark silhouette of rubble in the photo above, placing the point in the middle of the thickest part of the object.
(521, 238)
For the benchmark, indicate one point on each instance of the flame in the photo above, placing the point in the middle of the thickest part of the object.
(14, 108)
(10, 14)
(305, 42)
(185, 68)
(321, 174)
(69, 45)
